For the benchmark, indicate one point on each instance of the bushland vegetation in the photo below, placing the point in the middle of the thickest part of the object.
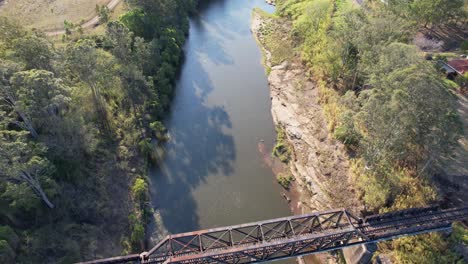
(76, 129)
(393, 110)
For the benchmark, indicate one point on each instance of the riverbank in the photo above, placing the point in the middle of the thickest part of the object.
(318, 163)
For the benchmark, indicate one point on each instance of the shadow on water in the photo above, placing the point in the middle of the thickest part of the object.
(199, 145)
(202, 143)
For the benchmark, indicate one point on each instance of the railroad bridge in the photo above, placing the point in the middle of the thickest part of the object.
(292, 236)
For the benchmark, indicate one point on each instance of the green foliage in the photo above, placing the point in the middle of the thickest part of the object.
(103, 14)
(462, 81)
(159, 131)
(8, 234)
(135, 20)
(459, 233)
(22, 164)
(7, 254)
(69, 27)
(346, 132)
(418, 107)
(434, 13)
(281, 149)
(72, 121)
(137, 232)
(274, 37)
(428, 248)
(145, 146)
(464, 46)
(35, 51)
(383, 100)
(285, 180)
(140, 190)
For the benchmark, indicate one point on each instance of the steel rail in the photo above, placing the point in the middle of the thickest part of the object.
(291, 236)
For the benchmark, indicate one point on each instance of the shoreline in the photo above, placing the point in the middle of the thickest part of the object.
(319, 163)
(317, 159)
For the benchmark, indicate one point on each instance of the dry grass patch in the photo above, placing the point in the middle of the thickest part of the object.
(49, 14)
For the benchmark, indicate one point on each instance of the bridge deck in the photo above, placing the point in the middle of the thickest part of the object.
(293, 236)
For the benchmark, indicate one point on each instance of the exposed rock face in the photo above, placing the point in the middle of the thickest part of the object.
(319, 164)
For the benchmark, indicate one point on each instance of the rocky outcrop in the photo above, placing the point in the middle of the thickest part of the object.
(319, 162)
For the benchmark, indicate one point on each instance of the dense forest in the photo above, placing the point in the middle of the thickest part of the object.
(76, 125)
(390, 106)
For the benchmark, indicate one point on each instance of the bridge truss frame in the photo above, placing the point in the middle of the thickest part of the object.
(291, 236)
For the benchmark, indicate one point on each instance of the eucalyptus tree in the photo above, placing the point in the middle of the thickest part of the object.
(22, 164)
(35, 51)
(409, 120)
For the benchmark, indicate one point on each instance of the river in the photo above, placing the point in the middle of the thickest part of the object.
(212, 173)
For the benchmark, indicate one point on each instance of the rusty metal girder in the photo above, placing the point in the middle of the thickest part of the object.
(253, 234)
(292, 236)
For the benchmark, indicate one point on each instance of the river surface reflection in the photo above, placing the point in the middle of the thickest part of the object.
(212, 173)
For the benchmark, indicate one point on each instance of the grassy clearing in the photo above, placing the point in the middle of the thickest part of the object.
(50, 14)
(59, 40)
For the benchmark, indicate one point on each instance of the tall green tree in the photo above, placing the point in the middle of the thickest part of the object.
(22, 164)
(35, 51)
(40, 98)
(409, 119)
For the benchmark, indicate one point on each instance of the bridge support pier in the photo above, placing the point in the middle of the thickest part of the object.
(361, 254)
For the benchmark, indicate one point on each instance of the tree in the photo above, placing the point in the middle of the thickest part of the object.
(394, 56)
(39, 99)
(22, 162)
(35, 51)
(120, 39)
(12, 111)
(68, 26)
(409, 119)
(430, 13)
(436, 12)
(92, 67)
(9, 31)
(103, 14)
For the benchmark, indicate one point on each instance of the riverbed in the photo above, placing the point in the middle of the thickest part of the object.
(212, 173)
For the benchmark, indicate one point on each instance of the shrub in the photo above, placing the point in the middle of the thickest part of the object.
(7, 254)
(281, 149)
(346, 132)
(464, 46)
(282, 152)
(148, 149)
(140, 190)
(159, 131)
(7, 234)
(427, 248)
(285, 180)
(138, 234)
(462, 81)
(459, 233)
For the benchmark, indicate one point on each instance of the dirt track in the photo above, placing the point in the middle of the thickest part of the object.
(88, 24)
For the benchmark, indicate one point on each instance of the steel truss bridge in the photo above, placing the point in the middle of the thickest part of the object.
(291, 236)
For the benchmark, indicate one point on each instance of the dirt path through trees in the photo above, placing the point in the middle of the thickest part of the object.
(90, 23)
